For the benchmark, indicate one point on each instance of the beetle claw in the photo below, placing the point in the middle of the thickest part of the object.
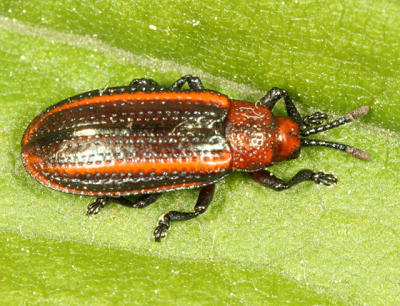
(323, 178)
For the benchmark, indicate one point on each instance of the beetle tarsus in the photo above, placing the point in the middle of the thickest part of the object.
(144, 85)
(324, 178)
(315, 119)
(162, 228)
(193, 83)
(205, 197)
(95, 207)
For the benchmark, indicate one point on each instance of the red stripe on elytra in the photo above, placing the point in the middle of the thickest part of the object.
(197, 164)
(30, 161)
(207, 97)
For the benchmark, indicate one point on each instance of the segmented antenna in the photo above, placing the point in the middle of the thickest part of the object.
(339, 146)
(358, 112)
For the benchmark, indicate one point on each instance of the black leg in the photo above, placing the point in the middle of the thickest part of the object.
(267, 179)
(142, 201)
(274, 95)
(205, 197)
(193, 82)
(144, 85)
(95, 207)
(315, 119)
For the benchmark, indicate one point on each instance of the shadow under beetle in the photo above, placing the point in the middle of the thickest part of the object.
(147, 139)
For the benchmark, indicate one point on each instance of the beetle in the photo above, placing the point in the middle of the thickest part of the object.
(145, 139)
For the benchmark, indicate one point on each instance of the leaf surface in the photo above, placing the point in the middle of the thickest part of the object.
(310, 244)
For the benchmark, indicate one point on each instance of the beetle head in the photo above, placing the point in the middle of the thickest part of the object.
(287, 140)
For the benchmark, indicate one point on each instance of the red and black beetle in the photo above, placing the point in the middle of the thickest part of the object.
(146, 139)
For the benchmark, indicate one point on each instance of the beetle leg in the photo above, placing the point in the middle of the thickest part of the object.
(204, 199)
(144, 85)
(142, 201)
(94, 208)
(193, 82)
(266, 178)
(315, 119)
(274, 95)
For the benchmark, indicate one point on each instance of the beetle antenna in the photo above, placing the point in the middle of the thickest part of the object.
(357, 113)
(339, 146)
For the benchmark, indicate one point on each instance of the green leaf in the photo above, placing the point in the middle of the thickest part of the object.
(307, 245)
